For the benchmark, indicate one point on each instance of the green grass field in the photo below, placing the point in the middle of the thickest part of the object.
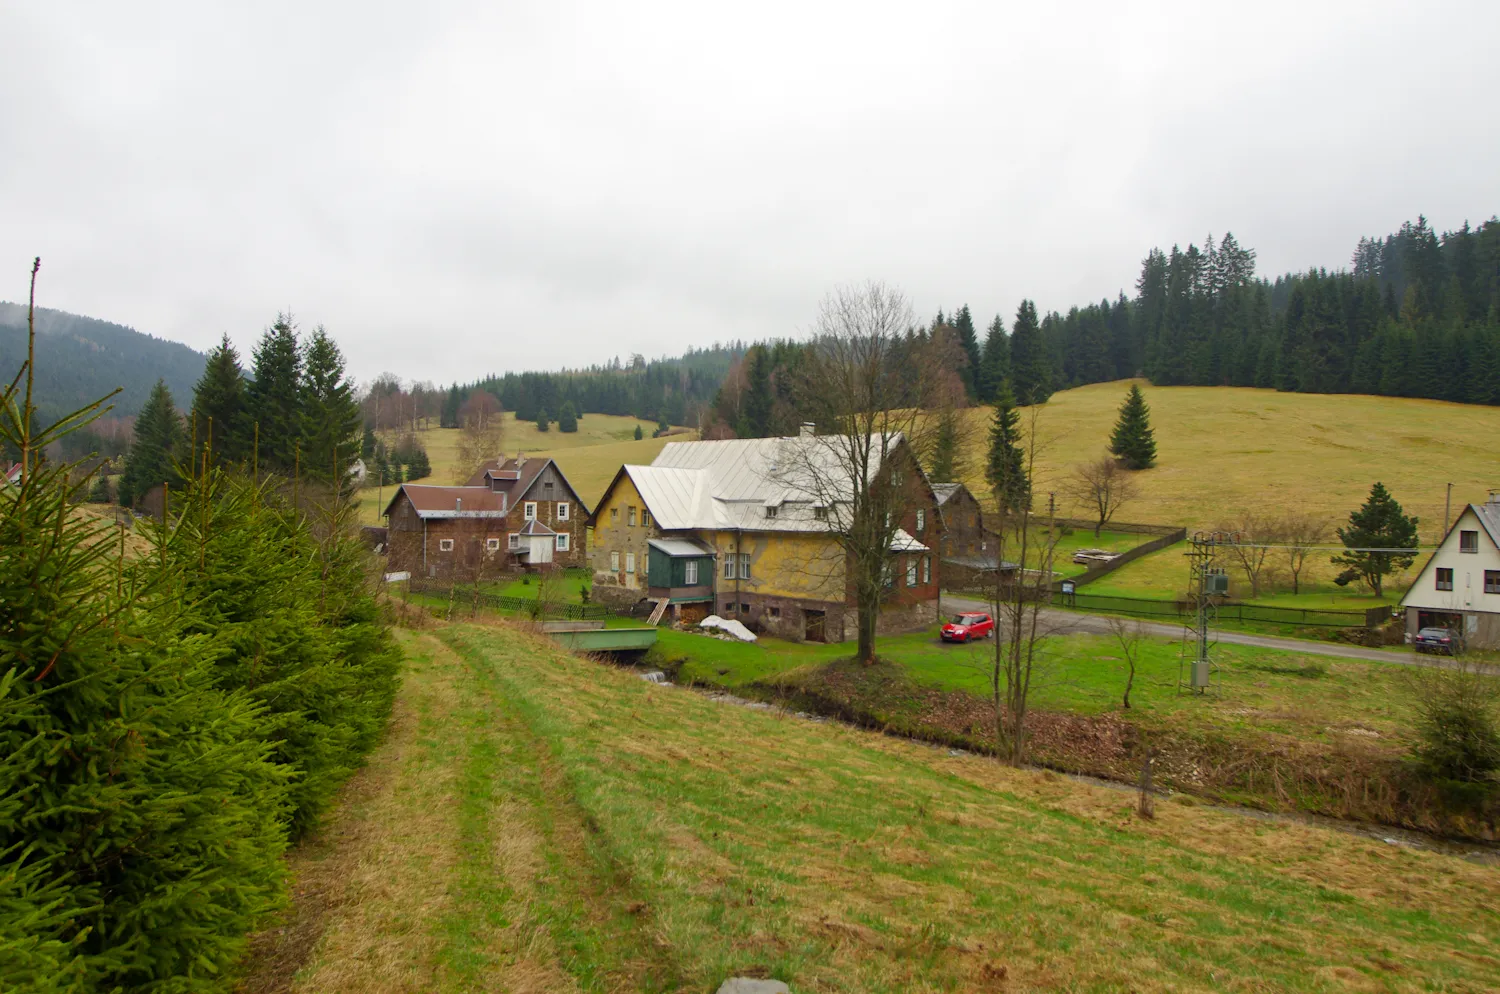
(538, 822)
(1225, 450)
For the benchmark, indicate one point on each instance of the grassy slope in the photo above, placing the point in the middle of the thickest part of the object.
(539, 822)
(1223, 450)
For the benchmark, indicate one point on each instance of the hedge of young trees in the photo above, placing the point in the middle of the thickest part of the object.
(169, 721)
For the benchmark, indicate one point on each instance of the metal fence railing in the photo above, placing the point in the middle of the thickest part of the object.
(1305, 617)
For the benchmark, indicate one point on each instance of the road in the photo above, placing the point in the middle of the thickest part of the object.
(1073, 623)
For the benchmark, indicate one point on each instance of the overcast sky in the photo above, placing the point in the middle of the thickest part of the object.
(459, 188)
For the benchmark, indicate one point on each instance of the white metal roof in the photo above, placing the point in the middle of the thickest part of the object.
(680, 547)
(902, 541)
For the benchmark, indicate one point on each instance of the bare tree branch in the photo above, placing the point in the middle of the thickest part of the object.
(1101, 487)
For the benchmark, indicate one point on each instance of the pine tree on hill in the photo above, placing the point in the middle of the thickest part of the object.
(755, 411)
(330, 414)
(1133, 441)
(542, 420)
(421, 466)
(943, 463)
(158, 441)
(276, 397)
(1030, 375)
(1006, 466)
(100, 493)
(567, 420)
(639, 434)
(963, 325)
(1379, 524)
(994, 365)
(221, 405)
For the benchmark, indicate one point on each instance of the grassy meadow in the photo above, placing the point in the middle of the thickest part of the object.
(1222, 451)
(539, 822)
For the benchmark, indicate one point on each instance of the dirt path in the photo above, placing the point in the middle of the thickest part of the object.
(1072, 623)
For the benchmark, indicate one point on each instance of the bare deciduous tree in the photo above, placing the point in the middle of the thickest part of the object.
(1300, 532)
(1251, 548)
(1018, 600)
(862, 473)
(1130, 633)
(482, 438)
(1101, 487)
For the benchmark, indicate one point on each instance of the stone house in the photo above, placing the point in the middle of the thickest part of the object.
(726, 527)
(513, 514)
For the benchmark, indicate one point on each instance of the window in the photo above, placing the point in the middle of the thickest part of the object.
(547, 486)
(529, 511)
(445, 545)
(614, 562)
(1468, 541)
(645, 517)
(921, 520)
(775, 612)
(1444, 579)
(820, 514)
(514, 541)
(744, 608)
(492, 544)
(1492, 581)
(926, 569)
(631, 513)
(728, 607)
(630, 562)
(690, 573)
(614, 515)
(562, 510)
(770, 510)
(887, 575)
(563, 539)
(911, 571)
(729, 566)
(744, 565)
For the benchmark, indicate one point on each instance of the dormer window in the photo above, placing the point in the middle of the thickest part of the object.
(770, 510)
(820, 514)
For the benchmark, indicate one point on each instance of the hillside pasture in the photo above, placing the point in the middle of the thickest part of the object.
(1223, 451)
(541, 822)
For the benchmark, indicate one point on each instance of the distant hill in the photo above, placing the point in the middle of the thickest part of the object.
(79, 360)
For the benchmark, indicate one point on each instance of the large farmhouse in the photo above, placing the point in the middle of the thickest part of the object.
(513, 514)
(1459, 588)
(724, 527)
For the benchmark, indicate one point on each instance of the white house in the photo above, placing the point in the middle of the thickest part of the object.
(1459, 588)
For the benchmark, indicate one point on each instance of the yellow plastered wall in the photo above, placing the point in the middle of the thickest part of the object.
(782, 564)
(613, 533)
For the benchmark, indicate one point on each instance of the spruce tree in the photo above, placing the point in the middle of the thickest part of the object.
(638, 433)
(1133, 441)
(100, 493)
(994, 365)
(567, 420)
(1379, 524)
(1006, 467)
(157, 443)
(1030, 373)
(220, 400)
(420, 467)
(963, 326)
(367, 444)
(943, 463)
(276, 397)
(330, 414)
(542, 420)
(755, 411)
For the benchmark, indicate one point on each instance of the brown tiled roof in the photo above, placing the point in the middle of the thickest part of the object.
(526, 475)
(432, 501)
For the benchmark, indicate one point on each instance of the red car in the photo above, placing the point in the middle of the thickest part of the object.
(965, 627)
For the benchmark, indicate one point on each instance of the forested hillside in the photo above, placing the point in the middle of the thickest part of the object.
(81, 359)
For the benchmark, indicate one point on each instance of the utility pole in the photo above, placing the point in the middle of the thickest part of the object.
(1447, 507)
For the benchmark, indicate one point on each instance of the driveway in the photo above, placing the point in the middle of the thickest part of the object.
(1074, 623)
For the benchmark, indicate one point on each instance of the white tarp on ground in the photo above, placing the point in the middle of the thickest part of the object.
(728, 625)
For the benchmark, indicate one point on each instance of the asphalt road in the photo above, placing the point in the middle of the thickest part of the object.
(1073, 623)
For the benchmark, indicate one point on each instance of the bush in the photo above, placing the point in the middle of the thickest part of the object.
(1458, 722)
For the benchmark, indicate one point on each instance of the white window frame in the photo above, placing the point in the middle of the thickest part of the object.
(562, 541)
(614, 562)
(911, 571)
(630, 562)
(528, 511)
(921, 519)
(492, 544)
(770, 510)
(631, 522)
(562, 510)
(614, 515)
(926, 570)
(513, 541)
(645, 518)
(690, 573)
(820, 514)
(445, 545)
(744, 565)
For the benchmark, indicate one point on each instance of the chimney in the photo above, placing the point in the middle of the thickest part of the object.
(1494, 497)
(808, 429)
(458, 504)
(520, 459)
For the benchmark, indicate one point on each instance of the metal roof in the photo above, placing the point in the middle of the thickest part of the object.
(1489, 516)
(902, 541)
(450, 502)
(535, 527)
(680, 547)
(945, 491)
